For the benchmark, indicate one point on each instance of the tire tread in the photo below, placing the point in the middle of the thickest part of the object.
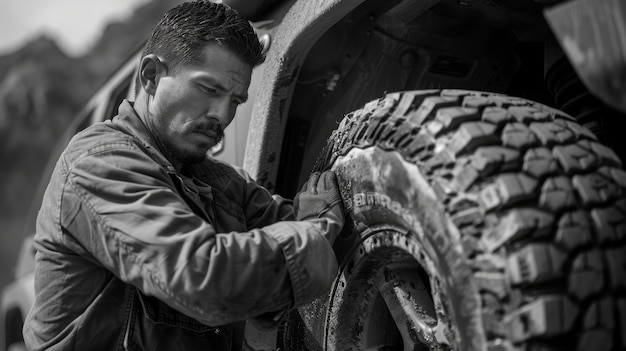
(526, 185)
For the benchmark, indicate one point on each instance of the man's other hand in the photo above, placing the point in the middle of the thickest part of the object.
(320, 201)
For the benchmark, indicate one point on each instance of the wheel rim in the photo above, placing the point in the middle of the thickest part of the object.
(388, 297)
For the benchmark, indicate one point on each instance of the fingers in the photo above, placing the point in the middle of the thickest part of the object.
(312, 185)
(328, 183)
(319, 194)
(320, 182)
(328, 180)
(329, 186)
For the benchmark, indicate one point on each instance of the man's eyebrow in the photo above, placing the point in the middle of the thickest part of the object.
(214, 82)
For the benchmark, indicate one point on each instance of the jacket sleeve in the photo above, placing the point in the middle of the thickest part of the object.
(262, 209)
(119, 209)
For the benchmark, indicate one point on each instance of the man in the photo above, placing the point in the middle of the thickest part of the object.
(144, 243)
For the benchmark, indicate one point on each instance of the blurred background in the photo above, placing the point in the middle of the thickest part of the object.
(53, 56)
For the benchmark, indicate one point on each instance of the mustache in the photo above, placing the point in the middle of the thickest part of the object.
(210, 128)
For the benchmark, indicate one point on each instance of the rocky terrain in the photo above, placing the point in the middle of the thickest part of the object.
(41, 91)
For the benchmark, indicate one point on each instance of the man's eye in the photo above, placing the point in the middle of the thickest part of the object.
(236, 102)
(208, 90)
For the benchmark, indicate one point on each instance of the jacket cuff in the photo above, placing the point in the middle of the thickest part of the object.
(310, 259)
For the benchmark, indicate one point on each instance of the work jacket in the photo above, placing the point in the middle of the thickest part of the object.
(134, 255)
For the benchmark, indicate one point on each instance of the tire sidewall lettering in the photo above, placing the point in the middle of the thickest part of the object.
(407, 201)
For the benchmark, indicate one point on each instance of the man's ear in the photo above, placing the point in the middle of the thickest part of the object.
(151, 69)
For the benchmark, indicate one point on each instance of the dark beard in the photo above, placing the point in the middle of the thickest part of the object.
(173, 152)
(176, 154)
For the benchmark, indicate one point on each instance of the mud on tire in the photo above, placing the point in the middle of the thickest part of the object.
(476, 221)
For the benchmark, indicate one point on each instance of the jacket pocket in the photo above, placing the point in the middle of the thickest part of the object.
(154, 326)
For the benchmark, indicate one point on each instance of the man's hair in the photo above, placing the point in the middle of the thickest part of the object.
(184, 31)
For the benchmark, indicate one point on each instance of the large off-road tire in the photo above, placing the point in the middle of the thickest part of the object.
(475, 222)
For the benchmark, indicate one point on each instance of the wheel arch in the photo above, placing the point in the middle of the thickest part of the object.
(325, 61)
(301, 27)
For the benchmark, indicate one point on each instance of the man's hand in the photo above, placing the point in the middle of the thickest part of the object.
(320, 201)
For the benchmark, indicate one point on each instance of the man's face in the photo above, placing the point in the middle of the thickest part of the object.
(193, 104)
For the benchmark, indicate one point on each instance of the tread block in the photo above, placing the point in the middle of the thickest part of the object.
(540, 163)
(587, 277)
(490, 159)
(557, 194)
(429, 107)
(574, 158)
(505, 100)
(595, 189)
(496, 115)
(574, 230)
(599, 315)
(400, 136)
(579, 131)
(464, 177)
(434, 127)
(606, 155)
(406, 104)
(443, 190)
(616, 174)
(527, 114)
(444, 158)
(517, 224)
(598, 324)
(610, 223)
(375, 129)
(546, 316)
(452, 117)
(471, 135)
(486, 161)
(422, 142)
(457, 92)
(518, 136)
(508, 189)
(552, 133)
(475, 101)
(463, 203)
(535, 263)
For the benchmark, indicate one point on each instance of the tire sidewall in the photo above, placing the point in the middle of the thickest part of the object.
(381, 190)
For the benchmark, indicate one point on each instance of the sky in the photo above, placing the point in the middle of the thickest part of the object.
(74, 24)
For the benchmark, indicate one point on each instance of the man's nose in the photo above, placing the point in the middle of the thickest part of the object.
(220, 112)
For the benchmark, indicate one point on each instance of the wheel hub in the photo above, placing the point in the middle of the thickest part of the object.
(385, 299)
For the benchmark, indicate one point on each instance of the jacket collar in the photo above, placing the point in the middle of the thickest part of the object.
(129, 122)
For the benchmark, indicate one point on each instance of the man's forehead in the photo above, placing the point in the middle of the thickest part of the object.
(222, 61)
(230, 79)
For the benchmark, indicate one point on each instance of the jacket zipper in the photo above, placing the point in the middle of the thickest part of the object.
(130, 318)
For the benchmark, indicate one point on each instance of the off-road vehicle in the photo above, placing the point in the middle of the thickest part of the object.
(478, 148)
